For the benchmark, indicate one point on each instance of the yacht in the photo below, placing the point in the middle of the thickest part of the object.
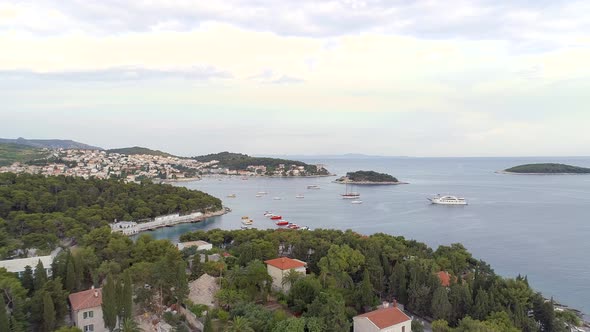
(447, 200)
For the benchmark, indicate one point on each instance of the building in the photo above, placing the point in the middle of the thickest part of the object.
(86, 311)
(201, 245)
(386, 319)
(18, 265)
(279, 267)
(125, 227)
(445, 278)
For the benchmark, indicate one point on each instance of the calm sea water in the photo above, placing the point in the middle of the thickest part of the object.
(535, 225)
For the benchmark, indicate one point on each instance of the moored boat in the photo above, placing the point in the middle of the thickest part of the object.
(313, 186)
(300, 196)
(356, 202)
(247, 221)
(276, 217)
(282, 223)
(231, 196)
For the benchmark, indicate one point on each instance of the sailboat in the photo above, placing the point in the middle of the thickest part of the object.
(350, 194)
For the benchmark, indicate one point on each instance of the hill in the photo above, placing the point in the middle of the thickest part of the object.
(548, 168)
(11, 153)
(368, 177)
(140, 150)
(240, 161)
(50, 143)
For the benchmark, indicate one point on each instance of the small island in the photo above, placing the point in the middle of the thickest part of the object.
(547, 168)
(368, 177)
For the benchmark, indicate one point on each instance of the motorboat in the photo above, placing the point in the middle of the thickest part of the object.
(356, 202)
(282, 223)
(231, 196)
(273, 217)
(313, 186)
(447, 200)
(300, 196)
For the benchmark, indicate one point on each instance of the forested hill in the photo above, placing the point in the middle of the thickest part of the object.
(10, 153)
(50, 143)
(548, 168)
(140, 150)
(239, 161)
(38, 211)
(368, 177)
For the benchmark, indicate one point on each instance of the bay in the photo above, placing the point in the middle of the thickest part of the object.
(535, 225)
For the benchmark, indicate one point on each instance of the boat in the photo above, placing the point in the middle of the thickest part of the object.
(304, 228)
(244, 227)
(447, 200)
(268, 214)
(244, 178)
(245, 218)
(262, 193)
(356, 202)
(276, 217)
(313, 186)
(282, 223)
(293, 226)
(258, 195)
(247, 221)
(231, 196)
(300, 196)
(277, 198)
(350, 194)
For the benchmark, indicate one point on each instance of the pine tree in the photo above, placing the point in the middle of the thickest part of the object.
(71, 278)
(4, 326)
(441, 307)
(109, 303)
(40, 276)
(48, 313)
(28, 282)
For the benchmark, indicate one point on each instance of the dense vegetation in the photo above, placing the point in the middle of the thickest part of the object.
(350, 274)
(11, 153)
(548, 169)
(367, 176)
(239, 161)
(49, 143)
(140, 150)
(38, 212)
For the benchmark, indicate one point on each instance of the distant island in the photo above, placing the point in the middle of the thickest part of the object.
(547, 168)
(368, 177)
(230, 163)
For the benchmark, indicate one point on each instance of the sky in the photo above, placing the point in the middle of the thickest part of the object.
(382, 77)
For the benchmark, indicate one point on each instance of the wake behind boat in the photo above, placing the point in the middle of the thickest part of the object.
(447, 200)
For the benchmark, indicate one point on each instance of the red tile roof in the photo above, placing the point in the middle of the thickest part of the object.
(386, 317)
(285, 263)
(445, 278)
(86, 299)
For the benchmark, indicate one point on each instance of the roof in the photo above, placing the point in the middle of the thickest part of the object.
(285, 263)
(195, 243)
(445, 278)
(19, 264)
(386, 317)
(90, 298)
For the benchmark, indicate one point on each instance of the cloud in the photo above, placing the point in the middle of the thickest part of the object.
(268, 76)
(287, 80)
(199, 73)
(532, 25)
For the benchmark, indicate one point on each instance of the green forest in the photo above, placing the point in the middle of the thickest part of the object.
(548, 169)
(369, 176)
(39, 212)
(11, 153)
(349, 274)
(239, 161)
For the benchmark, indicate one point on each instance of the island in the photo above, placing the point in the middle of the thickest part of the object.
(547, 168)
(230, 163)
(368, 177)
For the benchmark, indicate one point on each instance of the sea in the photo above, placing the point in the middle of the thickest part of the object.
(533, 225)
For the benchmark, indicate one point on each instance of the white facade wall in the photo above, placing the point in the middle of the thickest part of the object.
(96, 320)
(277, 277)
(18, 265)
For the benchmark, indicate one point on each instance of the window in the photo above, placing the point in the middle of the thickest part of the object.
(89, 328)
(403, 329)
(88, 314)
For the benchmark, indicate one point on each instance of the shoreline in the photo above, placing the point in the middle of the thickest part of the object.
(267, 176)
(369, 183)
(204, 216)
(519, 173)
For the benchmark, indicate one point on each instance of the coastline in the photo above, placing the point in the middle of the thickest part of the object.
(180, 180)
(267, 176)
(519, 173)
(217, 213)
(369, 183)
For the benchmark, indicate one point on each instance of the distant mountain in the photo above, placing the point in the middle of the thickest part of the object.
(49, 143)
(333, 156)
(140, 150)
(11, 153)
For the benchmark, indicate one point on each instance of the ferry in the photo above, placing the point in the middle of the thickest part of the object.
(447, 200)
(313, 186)
(276, 217)
(282, 223)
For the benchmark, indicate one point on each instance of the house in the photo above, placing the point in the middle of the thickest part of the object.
(201, 245)
(445, 278)
(279, 267)
(18, 265)
(125, 227)
(86, 311)
(386, 319)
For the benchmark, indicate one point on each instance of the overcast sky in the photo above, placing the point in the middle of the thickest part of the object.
(417, 78)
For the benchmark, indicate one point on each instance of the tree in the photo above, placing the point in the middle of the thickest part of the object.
(365, 293)
(330, 308)
(398, 283)
(125, 302)
(208, 325)
(290, 278)
(28, 281)
(417, 326)
(71, 277)
(109, 303)
(3, 315)
(40, 276)
(129, 325)
(441, 307)
(481, 307)
(68, 329)
(303, 292)
(48, 313)
(440, 325)
(240, 324)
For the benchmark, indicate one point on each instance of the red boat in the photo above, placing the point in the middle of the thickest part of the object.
(276, 217)
(282, 223)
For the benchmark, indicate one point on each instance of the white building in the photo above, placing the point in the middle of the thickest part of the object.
(201, 245)
(125, 227)
(87, 310)
(279, 267)
(18, 265)
(387, 319)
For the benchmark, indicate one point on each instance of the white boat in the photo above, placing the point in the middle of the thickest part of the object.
(356, 202)
(244, 227)
(304, 228)
(299, 196)
(447, 200)
(262, 193)
(258, 195)
(231, 196)
(277, 198)
(247, 221)
(268, 214)
(350, 194)
(313, 186)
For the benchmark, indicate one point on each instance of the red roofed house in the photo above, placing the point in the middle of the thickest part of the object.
(87, 310)
(445, 278)
(277, 268)
(386, 319)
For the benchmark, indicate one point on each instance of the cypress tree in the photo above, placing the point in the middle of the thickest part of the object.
(126, 297)
(4, 326)
(71, 278)
(481, 307)
(441, 307)
(365, 293)
(208, 325)
(40, 276)
(48, 313)
(28, 282)
(399, 284)
(109, 303)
